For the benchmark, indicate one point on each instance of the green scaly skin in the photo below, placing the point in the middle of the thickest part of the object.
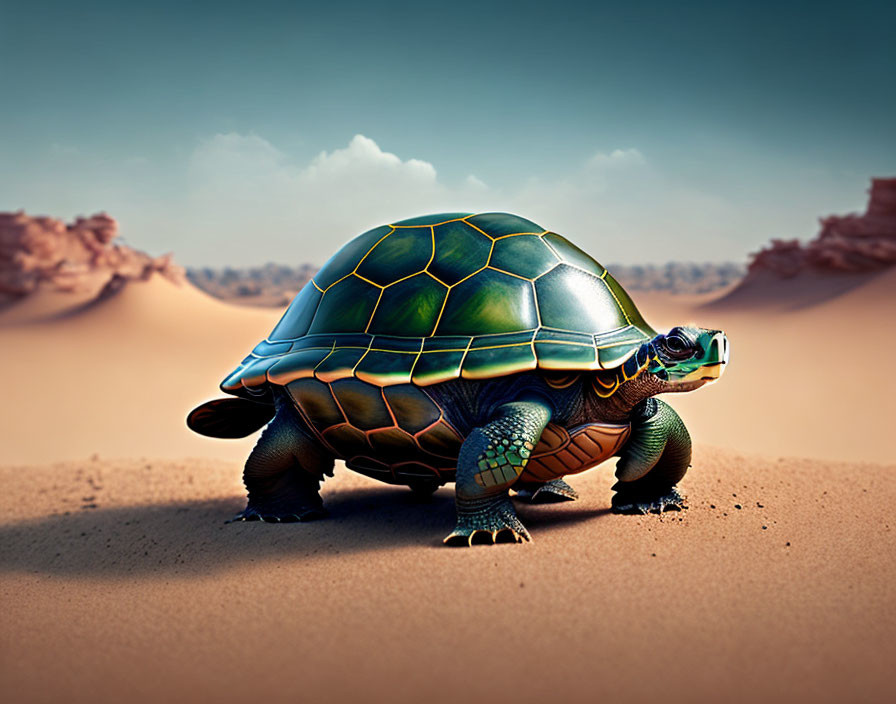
(490, 461)
(653, 461)
(284, 471)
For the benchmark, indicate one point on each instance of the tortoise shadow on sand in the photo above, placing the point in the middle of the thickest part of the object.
(191, 538)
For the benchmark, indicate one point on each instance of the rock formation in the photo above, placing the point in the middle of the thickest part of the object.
(45, 253)
(846, 243)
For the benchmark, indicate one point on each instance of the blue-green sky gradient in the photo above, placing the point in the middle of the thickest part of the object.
(646, 131)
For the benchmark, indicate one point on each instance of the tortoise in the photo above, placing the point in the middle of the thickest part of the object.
(479, 349)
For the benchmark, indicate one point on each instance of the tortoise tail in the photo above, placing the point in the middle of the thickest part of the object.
(230, 417)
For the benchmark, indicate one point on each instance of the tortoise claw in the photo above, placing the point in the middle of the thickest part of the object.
(251, 514)
(672, 500)
(553, 492)
(486, 537)
(489, 524)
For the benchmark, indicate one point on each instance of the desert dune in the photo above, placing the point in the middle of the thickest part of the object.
(804, 380)
(117, 376)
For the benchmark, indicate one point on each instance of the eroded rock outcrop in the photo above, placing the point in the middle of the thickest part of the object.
(45, 253)
(846, 243)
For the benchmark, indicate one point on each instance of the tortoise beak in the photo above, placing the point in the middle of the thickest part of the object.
(717, 353)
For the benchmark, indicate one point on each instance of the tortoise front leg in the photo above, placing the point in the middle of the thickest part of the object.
(655, 459)
(490, 461)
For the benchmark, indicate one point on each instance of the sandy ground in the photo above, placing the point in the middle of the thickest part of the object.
(119, 579)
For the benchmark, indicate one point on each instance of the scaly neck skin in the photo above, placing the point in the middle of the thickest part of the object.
(618, 408)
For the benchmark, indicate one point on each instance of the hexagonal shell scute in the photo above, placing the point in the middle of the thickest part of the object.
(316, 402)
(410, 307)
(404, 252)
(412, 408)
(346, 259)
(572, 299)
(571, 254)
(501, 224)
(350, 440)
(362, 404)
(489, 302)
(298, 316)
(460, 250)
(393, 445)
(440, 439)
(524, 255)
(346, 307)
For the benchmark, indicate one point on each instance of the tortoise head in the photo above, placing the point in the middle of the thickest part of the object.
(688, 357)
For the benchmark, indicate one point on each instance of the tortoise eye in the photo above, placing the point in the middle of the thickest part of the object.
(676, 345)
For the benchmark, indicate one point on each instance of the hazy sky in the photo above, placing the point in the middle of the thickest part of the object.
(239, 133)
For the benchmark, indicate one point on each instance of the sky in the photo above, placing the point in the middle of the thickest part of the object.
(241, 133)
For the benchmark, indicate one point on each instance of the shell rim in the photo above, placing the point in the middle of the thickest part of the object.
(543, 347)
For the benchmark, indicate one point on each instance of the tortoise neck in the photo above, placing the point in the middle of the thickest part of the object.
(619, 406)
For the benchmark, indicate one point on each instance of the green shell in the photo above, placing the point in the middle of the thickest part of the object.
(439, 297)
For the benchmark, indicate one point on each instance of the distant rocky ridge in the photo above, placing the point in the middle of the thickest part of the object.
(847, 243)
(43, 253)
(276, 284)
(678, 277)
(268, 285)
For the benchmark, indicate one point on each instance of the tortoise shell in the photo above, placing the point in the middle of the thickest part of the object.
(438, 297)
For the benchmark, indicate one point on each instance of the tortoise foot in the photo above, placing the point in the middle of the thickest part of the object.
(637, 503)
(551, 493)
(424, 489)
(297, 516)
(487, 523)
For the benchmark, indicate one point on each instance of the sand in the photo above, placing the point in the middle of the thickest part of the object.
(118, 377)
(120, 580)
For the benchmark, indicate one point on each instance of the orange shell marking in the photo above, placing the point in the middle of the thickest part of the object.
(560, 452)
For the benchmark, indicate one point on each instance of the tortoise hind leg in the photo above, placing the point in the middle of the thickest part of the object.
(424, 488)
(284, 471)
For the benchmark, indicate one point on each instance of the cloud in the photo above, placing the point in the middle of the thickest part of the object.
(239, 167)
(241, 189)
(363, 158)
(475, 183)
(239, 199)
(620, 207)
(618, 158)
(249, 202)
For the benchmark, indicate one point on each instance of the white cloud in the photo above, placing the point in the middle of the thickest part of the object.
(239, 199)
(243, 190)
(363, 158)
(238, 166)
(616, 159)
(247, 202)
(476, 183)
